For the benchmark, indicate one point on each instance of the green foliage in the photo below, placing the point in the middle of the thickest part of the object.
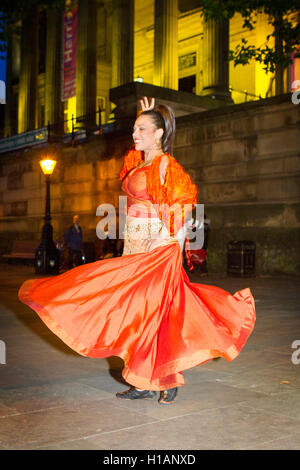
(283, 16)
(285, 37)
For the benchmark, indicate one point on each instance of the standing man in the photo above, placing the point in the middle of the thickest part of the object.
(73, 241)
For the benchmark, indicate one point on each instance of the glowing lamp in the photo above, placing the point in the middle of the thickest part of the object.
(47, 255)
(47, 166)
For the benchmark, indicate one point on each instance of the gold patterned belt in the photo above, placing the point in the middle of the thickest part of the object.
(144, 227)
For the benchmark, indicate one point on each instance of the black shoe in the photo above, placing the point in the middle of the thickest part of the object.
(168, 396)
(134, 394)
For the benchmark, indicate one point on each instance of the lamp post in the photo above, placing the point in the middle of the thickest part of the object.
(47, 255)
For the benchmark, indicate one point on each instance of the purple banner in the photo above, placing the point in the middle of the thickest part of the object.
(69, 54)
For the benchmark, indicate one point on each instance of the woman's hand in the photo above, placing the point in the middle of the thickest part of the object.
(180, 235)
(145, 103)
(192, 223)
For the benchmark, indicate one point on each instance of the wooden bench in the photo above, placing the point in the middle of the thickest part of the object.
(23, 249)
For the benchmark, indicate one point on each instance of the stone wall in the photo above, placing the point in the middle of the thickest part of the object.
(85, 176)
(244, 159)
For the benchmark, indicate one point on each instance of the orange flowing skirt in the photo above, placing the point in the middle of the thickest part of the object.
(143, 308)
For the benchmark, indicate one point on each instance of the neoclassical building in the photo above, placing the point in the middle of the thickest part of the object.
(241, 151)
(113, 42)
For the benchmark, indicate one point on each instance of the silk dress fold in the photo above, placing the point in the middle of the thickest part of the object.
(141, 306)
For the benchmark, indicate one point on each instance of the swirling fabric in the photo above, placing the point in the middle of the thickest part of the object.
(142, 306)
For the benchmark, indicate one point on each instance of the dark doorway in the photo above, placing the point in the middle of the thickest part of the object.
(187, 84)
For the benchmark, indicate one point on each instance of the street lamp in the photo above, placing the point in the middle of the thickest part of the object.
(47, 255)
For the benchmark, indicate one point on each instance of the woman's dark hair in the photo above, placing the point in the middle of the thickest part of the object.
(163, 118)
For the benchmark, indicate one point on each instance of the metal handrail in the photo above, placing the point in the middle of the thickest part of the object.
(246, 93)
(89, 118)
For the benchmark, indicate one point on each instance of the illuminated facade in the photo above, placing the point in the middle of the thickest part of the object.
(244, 157)
(161, 42)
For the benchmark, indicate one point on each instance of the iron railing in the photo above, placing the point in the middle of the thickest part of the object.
(247, 94)
(81, 127)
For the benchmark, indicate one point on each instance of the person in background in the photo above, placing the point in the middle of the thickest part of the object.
(73, 241)
(198, 251)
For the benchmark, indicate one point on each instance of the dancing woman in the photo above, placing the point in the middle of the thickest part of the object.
(141, 306)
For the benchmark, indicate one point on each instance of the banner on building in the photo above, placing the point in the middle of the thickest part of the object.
(69, 54)
(26, 139)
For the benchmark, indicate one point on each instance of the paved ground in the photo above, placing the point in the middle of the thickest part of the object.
(51, 398)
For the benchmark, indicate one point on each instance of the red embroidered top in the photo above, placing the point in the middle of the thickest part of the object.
(177, 191)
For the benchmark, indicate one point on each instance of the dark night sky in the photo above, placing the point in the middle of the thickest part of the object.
(2, 72)
(2, 68)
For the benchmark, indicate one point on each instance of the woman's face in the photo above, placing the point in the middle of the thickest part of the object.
(145, 134)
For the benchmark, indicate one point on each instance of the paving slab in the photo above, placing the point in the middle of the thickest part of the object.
(31, 430)
(229, 427)
(54, 399)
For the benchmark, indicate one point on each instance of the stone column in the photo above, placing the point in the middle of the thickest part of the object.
(28, 73)
(215, 59)
(281, 72)
(122, 42)
(53, 104)
(12, 77)
(165, 44)
(86, 62)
